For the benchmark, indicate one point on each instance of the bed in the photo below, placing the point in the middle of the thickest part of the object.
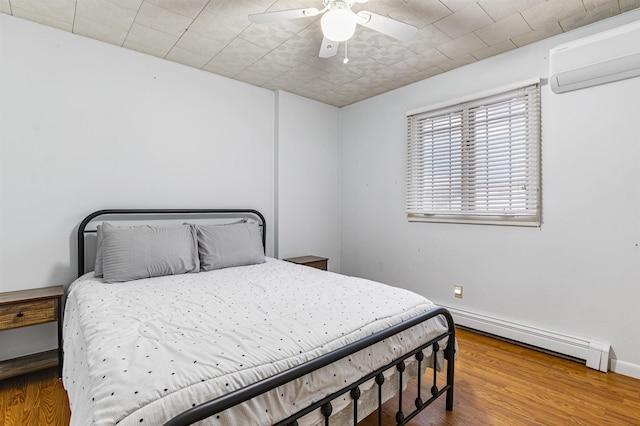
(247, 341)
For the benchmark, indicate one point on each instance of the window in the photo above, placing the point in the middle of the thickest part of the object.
(477, 162)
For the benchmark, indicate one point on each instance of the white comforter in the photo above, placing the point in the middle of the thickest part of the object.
(143, 351)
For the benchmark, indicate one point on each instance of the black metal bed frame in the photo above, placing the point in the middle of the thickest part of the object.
(239, 396)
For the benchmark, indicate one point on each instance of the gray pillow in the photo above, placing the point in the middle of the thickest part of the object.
(134, 252)
(224, 246)
(97, 269)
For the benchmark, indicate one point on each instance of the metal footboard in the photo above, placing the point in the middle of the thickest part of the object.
(239, 396)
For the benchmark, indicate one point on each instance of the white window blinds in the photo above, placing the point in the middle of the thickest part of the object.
(477, 162)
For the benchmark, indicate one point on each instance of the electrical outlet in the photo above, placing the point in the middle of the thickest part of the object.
(457, 291)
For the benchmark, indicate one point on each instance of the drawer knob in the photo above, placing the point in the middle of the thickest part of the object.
(20, 314)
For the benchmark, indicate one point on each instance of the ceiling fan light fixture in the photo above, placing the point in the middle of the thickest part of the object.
(339, 24)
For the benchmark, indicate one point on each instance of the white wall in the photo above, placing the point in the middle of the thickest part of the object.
(579, 274)
(308, 179)
(87, 125)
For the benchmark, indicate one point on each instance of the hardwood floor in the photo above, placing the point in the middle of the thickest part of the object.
(497, 383)
(34, 399)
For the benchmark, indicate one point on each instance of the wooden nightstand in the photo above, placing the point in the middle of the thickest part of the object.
(30, 307)
(313, 261)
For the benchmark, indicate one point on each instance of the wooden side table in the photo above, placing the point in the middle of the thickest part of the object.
(30, 307)
(312, 261)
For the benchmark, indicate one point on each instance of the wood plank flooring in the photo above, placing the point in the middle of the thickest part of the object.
(497, 383)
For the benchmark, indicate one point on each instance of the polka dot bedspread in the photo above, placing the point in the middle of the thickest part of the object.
(143, 351)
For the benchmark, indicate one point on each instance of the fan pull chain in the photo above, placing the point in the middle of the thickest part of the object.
(346, 50)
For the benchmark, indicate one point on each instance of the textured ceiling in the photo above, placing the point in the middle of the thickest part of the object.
(216, 36)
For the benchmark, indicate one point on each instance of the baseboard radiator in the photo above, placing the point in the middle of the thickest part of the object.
(593, 353)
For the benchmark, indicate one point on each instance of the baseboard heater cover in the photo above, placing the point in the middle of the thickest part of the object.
(594, 353)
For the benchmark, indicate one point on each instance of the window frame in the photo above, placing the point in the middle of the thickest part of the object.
(422, 194)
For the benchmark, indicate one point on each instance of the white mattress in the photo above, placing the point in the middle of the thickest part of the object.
(143, 351)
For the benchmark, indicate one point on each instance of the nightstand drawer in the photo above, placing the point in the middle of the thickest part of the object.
(21, 314)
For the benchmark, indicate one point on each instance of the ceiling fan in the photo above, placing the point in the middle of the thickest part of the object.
(339, 23)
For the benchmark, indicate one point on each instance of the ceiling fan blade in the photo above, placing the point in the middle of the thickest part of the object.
(391, 27)
(280, 15)
(328, 48)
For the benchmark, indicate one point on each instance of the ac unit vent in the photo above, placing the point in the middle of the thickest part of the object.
(602, 58)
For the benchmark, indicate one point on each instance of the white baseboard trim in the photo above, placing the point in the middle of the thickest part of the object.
(593, 352)
(625, 368)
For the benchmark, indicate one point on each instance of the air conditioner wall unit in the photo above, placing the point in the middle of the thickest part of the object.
(601, 58)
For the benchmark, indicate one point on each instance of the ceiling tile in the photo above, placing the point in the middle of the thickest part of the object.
(427, 60)
(41, 19)
(464, 21)
(286, 81)
(47, 10)
(302, 91)
(108, 13)
(427, 38)
(589, 17)
(217, 26)
(462, 46)
(455, 5)
(285, 56)
(372, 82)
(540, 15)
(349, 89)
(148, 40)
(367, 43)
(187, 57)
(188, 8)
(223, 66)
(627, 5)
(305, 72)
(251, 77)
(162, 20)
(129, 4)
(593, 4)
(235, 57)
(393, 55)
(499, 9)
(504, 29)
(366, 66)
(494, 50)
(404, 13)
(538, 34)
(244, 51)
(430, 11)
(267, 68)
(199, 44)
(328, 97)
(5, 7)
(457, 62)
(99, 31)
(319, 85)
(269, 36)
(339, 75)
(426, 73)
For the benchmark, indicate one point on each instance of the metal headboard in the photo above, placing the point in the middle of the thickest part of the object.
(173, 214)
